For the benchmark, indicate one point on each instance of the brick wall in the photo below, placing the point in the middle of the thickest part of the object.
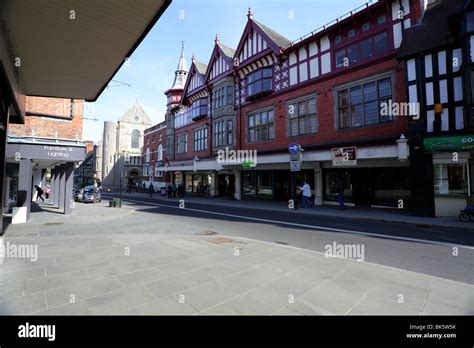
(62, 126)
(327, 133)
(189, 129)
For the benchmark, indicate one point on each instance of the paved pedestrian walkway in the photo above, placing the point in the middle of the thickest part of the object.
(102, 260)
(378, 214)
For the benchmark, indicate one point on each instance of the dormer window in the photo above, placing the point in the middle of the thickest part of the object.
(199, 108)
(259, 82)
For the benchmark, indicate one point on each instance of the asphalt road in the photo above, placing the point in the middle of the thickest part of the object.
(438, 251)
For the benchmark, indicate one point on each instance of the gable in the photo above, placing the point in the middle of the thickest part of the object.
(195, 80)
(256, 39)
(135, 110)
(219, 64)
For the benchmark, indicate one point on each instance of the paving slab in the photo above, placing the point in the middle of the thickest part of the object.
(191, 273)
(118, 301)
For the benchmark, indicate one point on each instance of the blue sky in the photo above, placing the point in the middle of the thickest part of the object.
(150, 70)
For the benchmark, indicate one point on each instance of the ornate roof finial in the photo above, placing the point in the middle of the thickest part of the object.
(217, 39)
(249, 14)
(193, 59)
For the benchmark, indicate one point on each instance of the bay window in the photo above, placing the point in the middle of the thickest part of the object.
(259, 81)
(199, 108)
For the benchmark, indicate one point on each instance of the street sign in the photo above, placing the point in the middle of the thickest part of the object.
(344, 156)
(295, 166)
(294, 148)
(295, 162)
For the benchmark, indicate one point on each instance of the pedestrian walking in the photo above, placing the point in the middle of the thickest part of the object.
(306, 190)
(151, 188)
(169, 191)
(339, 188)
(173, 190)
(180, 190)
(144, 187)
(39, 193)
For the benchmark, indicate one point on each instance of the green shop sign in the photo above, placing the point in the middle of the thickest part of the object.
(453, 143)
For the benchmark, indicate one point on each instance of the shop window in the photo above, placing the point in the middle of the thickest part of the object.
(302, 117)
(450, 179)
(248, 184)
(258, 183)
(360, 105)
(261, 127)
(330, 189)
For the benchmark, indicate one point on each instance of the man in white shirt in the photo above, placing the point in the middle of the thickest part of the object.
(306, 191)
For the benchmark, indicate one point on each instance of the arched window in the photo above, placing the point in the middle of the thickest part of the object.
(160, 153)
(147, 155)
(135, 139)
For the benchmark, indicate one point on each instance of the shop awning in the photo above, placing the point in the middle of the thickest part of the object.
(70, 48)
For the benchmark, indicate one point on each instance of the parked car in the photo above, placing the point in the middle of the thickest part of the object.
(87, 194)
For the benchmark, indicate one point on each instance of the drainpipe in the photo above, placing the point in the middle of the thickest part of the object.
(402, 9)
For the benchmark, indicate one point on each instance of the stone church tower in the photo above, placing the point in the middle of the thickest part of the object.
(122, 145)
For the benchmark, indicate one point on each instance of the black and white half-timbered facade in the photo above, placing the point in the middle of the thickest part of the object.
(439, 56)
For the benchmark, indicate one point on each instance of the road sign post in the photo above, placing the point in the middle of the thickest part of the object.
(295, 166)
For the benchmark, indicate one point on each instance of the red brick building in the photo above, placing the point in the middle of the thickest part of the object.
(154, 157)
(51, 118)
(325, 93)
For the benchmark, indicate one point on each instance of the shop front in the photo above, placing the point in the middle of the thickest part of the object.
(369, 186)
(273, 184)
(453, 171)
(29, 160)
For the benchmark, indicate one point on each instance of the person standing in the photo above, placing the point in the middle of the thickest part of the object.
(306, 190)
(169, 191)
(173, 190)
(151, 188)
(339, 187)
(39, 193)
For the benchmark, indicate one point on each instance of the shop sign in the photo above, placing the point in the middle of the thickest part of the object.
(248, 164)
(452, 143)
(344, 156)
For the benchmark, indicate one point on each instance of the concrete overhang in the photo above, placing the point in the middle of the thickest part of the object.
(71, 48)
